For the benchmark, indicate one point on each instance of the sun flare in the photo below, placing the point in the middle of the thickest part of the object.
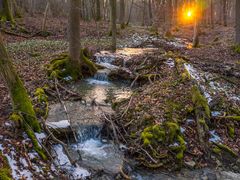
(189, 13)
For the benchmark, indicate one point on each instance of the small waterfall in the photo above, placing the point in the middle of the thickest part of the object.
(88, 132)
(101, 75)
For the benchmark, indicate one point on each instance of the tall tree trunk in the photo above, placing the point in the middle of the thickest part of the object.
(196, 26)
(74, 33)
(237, 20)
(169, 18)
(224, 11)
(21, 102)
(211, 14)
(5, 11)
(143, 12)
(122, 14)
(150, 12)
(45, 16)
(113, 24)
(130, 12)
(98, 14)
(196, 34)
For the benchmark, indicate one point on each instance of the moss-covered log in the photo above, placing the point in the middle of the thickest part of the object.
(21, 102)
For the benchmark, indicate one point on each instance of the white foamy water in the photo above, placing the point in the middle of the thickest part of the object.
(95, 81)
(94, 147)
(63, 161)
(59, 124)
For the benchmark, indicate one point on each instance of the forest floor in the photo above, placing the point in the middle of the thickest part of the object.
(33, 52)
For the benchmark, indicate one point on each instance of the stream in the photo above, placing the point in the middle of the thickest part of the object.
(96, 154)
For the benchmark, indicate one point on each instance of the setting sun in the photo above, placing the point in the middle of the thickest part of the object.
(189, 13)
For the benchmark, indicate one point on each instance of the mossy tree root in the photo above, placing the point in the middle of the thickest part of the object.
(62, 67)
(25, 114)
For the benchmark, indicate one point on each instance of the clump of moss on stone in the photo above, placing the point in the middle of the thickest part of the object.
(163, 134)
(62, 67)
(5, 171)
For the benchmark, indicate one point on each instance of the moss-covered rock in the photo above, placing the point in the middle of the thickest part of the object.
(164, 135)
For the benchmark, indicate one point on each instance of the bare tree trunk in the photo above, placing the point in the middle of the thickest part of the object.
(237, 20)
(113, 24)
(122, 14)
(143, 12)
(196, 34)
(130, 12)
(98, 16)
(224, 11)
(5, 11)
(74, 33)
(45, 16)
(150, 12)
(211, 14)
(169, 18)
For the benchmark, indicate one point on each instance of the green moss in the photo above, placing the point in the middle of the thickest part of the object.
(200, 102)
(236, 48)
(43, 99)
(5, 171)
(180, 61)
(173, 129)
(233, 118)
(36, 146)
(216, 150)
(62, 67)
(227, 149)
(231, 130)
(5, 174)
(6, 13)
(19, 117)
(40, 95)
(23, 105)
(185, 75)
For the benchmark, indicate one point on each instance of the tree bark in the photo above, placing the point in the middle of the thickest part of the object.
(74, 33)
(98, 16)
(237, 20)
(211, 14)
(21, 102)
(130, 12)
(113, 24)
(169, 18)
(122, 14)
(150, 12)
(45, 16)
(224, 11)
(5, 12)
(196, 34)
